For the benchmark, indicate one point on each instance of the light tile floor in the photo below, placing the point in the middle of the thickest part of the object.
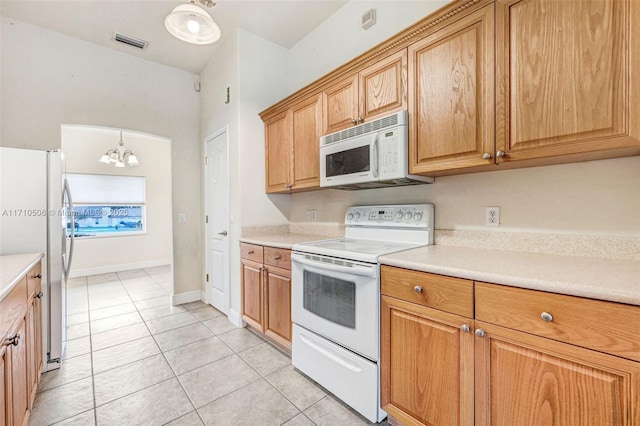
(133, 359)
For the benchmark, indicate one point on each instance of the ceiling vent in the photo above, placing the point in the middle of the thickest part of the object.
(131, 41)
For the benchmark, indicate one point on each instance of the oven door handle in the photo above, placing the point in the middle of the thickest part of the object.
(367, 271)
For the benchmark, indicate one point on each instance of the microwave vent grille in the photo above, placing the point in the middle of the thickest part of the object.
(372, 126)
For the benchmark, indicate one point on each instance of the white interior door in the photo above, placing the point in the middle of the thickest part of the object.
(217, 226)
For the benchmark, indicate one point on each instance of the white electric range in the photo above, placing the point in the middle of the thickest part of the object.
(335, 300)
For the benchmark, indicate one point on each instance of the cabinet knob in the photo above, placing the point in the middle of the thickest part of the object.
(39, 295)
(277, 257)
(486, 156)
(13, 340)
(546, 316)
(465, 328)
(360, 120)
(418, 289)
(354, 121)
(287, 186)
(500, 154)
(480, 332)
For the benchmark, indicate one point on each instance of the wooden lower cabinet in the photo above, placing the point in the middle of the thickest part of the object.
(266, 291)
(427, 365)
(525, 359)
(523, 379)
(20, 349)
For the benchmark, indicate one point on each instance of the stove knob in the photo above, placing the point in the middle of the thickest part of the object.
(418, 217)
(408, 215)
(399, 215)
(356, 216)
(349, 216)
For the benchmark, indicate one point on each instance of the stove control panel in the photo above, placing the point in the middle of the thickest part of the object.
(393, 216)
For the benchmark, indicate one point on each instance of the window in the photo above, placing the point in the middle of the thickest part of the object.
(107, 205)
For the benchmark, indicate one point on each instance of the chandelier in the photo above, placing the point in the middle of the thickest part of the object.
(193, 24)
(119, 156)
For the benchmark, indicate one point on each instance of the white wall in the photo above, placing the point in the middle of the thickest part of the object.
(255, 71)
(598, 197)
(49, 79)
(82, 146)
(340, 38)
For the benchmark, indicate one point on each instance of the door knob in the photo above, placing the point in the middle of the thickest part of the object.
(223, 233)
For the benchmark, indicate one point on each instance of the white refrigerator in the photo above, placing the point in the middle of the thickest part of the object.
(35, 206)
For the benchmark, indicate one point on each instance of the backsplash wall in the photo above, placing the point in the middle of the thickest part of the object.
(589, 198)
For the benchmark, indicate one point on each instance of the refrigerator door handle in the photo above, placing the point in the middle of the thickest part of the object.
(67, 266)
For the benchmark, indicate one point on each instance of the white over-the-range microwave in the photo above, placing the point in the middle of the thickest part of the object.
(371, 155)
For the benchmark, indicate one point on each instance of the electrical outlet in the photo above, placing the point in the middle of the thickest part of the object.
(311, 215)
(492, 216)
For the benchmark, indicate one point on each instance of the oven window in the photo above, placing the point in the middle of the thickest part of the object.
(330, 298)
(346, 162)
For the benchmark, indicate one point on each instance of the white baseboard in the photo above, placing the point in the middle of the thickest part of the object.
(118, 268)
(186, 297)
(236, 318)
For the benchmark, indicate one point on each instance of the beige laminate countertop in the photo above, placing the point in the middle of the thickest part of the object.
(285, 241)
(14, 267)
(612, 280)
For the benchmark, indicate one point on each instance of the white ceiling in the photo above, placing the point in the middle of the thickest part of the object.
(282, 22)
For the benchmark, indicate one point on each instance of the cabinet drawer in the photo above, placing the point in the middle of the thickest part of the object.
(602, 326)
(277, 257)
(12, 307)
(447, 294)
(251, 252)
(32, 281)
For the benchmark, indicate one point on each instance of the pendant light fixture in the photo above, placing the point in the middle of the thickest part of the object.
(193, 24)
(119, 156)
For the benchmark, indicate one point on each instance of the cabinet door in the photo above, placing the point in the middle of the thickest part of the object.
(562, 77)
(523, 379)
(19, 377)
(451, 96)
(426, 365)
(5, 398)
(252, 294)
(306, 122)
(383, 87)
(278, 154)
(277, 322)
(341, 104)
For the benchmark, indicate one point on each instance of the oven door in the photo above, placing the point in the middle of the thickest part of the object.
(349, 161)
(337, 299)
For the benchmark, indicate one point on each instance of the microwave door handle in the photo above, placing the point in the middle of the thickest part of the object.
(374, 166)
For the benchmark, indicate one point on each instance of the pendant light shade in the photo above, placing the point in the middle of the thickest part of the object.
(192, 24)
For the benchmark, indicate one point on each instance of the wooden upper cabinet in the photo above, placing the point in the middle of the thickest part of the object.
(341, 104)
(292, 141)
(277, 153)
(378, 90)
(451, 96)
(306, 123)
(564, 77)
(383, 87)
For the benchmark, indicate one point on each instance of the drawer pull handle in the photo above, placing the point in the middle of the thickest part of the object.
(546, 316)
(39, 295)
(480, 332)
(13, 340)
(277, 257)
(250, 252)
(465, 328)
(418, 289)
(39, 276)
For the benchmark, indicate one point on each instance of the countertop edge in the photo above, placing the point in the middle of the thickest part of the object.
(284, 241)
(557, 287)
(16, 279)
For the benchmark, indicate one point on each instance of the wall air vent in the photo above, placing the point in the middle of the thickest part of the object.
(131, 41)
(372, 126)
